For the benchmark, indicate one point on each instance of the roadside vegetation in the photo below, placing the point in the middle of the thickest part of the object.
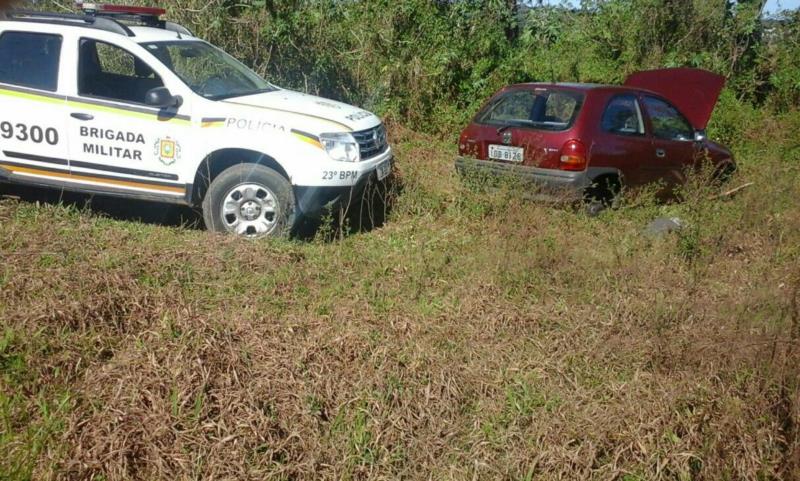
(474, 335)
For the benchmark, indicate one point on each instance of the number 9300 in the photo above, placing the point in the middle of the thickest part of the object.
(24, 133)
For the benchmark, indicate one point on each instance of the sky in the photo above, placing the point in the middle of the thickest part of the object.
(772, 5)
(775, 5)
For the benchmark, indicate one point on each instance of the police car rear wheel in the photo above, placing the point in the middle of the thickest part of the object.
(251, 201)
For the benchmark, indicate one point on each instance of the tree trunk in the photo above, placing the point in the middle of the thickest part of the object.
(512, 30)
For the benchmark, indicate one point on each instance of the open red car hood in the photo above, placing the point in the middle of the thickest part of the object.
(695, 92)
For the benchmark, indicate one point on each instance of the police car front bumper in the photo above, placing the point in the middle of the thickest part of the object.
(312, 201)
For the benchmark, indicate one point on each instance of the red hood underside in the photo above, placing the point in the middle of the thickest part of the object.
(695, 92)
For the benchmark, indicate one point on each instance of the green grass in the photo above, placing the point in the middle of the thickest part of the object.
(476, 335)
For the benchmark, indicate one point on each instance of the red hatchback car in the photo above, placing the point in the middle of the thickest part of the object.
(584, 141)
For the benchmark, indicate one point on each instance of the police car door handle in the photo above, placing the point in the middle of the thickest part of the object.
(80, 116)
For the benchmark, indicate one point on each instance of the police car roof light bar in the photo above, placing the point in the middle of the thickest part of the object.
(147, 16)
(122, 9)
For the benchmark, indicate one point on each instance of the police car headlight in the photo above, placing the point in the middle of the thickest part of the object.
(341, 147)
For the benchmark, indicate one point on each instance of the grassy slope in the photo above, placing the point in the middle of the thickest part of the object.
(473, 337)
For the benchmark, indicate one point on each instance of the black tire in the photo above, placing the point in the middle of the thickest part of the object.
(270, 190)
(603, 194)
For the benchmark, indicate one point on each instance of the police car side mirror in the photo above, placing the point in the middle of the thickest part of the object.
(161, 97)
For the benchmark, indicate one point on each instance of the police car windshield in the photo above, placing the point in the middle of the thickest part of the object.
(207, 70)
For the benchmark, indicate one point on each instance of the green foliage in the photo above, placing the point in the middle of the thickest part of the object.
(431, 63)
(781, 63)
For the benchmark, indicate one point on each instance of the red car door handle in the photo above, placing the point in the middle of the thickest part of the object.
(661, 153)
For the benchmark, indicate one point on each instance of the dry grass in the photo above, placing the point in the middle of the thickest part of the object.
(475, 336)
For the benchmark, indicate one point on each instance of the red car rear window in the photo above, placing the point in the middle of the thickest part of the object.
(542, 109)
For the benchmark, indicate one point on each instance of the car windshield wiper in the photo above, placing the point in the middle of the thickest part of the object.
(515, 123)
(240, 94)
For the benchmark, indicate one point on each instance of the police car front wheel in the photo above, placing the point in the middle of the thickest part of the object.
(249, 200)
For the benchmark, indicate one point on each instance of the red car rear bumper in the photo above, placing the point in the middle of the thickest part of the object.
(543, 184)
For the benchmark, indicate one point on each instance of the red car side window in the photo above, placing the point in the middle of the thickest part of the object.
(623, 116)
(668, 122)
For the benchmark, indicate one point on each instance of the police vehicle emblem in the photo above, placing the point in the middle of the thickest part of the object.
(167, 150)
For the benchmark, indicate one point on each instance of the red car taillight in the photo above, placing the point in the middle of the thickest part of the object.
(573, 156)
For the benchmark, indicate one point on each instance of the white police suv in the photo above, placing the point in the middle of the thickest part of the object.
(117, 101)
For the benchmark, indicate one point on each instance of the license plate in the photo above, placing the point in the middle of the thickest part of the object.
(384, 169)
(505, 153)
